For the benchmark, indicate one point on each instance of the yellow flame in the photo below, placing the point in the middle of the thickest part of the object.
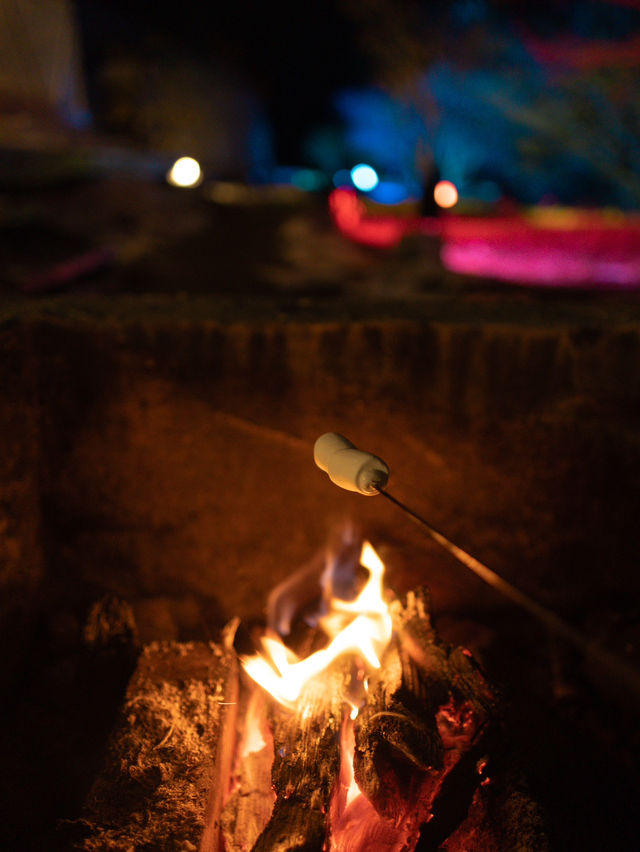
(362, 626)
(347, 754)
(253, 738)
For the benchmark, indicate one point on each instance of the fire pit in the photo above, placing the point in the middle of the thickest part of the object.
(157, 450)
(385, 738)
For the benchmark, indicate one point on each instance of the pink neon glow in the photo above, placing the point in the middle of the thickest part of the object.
(587, 251)
(584, 249)
(543, 265)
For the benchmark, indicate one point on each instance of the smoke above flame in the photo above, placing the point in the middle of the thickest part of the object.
(360, 627)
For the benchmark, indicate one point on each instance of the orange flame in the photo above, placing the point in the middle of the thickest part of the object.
(362, 626)
(355, 823)
(254, 733)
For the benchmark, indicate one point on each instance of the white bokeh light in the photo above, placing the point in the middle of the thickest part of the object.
(364, 177)
(185, 172)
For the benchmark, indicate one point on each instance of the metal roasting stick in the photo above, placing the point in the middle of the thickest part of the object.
(356, 470)
(624, 673)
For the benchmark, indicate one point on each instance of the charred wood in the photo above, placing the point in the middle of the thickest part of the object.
(305, 767)
(428, 705)
(427, 728)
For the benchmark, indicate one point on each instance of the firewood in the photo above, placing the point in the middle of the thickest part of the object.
(429, 756)
(396, 743)
(306, 765)
(169, 756)
(250, 803)
(428, 705)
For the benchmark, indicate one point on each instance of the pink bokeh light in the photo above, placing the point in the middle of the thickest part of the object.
(574, 249)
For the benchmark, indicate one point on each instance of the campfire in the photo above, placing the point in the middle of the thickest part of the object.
(380, 739)
(350, 726)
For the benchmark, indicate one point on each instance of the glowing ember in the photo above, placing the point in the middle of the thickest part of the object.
(355, 823)
(361, 627)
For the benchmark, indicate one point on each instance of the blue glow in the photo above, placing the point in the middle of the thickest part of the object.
(365, 178)
(382, 131)
(487, 190)
(282, 175)
(308, 179)
(342, 178)
(390, 192)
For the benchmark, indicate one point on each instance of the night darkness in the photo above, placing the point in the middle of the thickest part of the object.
(295, 55)
(516, 93)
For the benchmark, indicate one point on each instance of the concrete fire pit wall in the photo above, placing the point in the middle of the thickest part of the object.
(174, 461)
(21, 563)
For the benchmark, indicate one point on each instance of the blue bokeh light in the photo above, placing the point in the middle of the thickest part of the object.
(392, 192)
(342, 178)
(364, 177)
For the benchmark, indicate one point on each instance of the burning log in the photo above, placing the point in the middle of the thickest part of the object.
(386, 739)
(251, 798)
(408, 768)
(305, 767)
(419, 739)
(426, 725)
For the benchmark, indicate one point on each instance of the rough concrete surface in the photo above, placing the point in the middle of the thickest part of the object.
(176, 458)
(21, 562)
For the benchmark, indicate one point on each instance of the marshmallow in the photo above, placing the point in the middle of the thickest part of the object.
(349, 467)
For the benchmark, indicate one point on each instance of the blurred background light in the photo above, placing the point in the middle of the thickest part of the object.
(445, 194)
(185, 172)
(390, 192)
(364, 177)
(342, 178)
(310, 180)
